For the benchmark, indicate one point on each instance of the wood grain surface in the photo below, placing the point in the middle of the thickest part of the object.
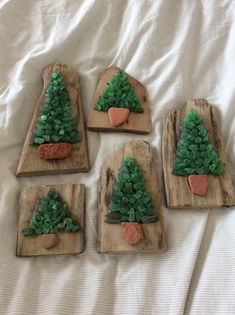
(30, 164)
(109, 235)
(70, 243)
(178, 194)
(137, 122)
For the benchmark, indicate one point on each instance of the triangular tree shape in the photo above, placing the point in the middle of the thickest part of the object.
(119, 93)
(195, 155)
(55, 123)
(51, 216)
(130, 202)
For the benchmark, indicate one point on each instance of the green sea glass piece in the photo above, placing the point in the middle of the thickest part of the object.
(51, 216)
(55, 123)
(119, 93)
(194, 154)
(130, 202)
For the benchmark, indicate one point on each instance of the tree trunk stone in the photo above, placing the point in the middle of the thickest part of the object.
(49, 241)
(198, 184)
(118, 116)
(132, 232)
(54, 151)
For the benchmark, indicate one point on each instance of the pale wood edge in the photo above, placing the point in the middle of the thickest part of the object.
(226, 183)
(54, 172)
(100, 129)
(98, 239)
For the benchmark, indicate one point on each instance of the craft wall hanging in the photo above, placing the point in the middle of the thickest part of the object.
(51, 220)
(196, 171)
(56, 140)
(119, 104)
(129, 206)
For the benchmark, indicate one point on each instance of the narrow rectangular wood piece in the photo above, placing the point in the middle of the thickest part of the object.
(70, 243)
(137, 123)
(109, 235)
(30, 163)
(178, 194)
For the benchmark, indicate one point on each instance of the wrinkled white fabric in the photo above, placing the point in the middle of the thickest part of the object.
(179, 50)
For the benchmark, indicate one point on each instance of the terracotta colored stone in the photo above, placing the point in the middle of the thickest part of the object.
(49, 241)
(117, 116)
(198, 184)
(132, 232)
(54, 151)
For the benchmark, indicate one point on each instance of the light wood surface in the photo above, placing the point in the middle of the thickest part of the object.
(30, 164)
(137, 123)
(178, 194)
(109, 235)
(70, 243)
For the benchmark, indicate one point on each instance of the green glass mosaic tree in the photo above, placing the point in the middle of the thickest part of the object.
(56, 124)
(194, 154)
(119, 93)
(51, 216)
(130, 202)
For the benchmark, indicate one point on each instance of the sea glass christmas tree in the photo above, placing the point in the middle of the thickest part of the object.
(51, 216)
(195, 156)
(55, 129)
(130, 203)
(118, 99)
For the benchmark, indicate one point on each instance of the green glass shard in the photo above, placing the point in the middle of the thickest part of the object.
(130, 201)
(55, 123)
(51, 215)
(194, 154)
(119, 93)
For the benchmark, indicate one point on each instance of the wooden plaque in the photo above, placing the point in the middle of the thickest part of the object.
(30, 164)
(137, 122)
(178, 194)
(70, 243)
(109, 235)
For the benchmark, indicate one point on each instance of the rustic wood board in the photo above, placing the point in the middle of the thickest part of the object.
(30, 164)
(137, 123)
(178, 194)
(109, 235)
(70, 243)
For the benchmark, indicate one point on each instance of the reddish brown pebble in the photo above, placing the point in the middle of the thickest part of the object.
(117, 116)
(198, 184)
(132, 232)
(49, 241)
(54, 151)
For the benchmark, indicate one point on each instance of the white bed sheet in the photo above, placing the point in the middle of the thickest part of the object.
(178, 50)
